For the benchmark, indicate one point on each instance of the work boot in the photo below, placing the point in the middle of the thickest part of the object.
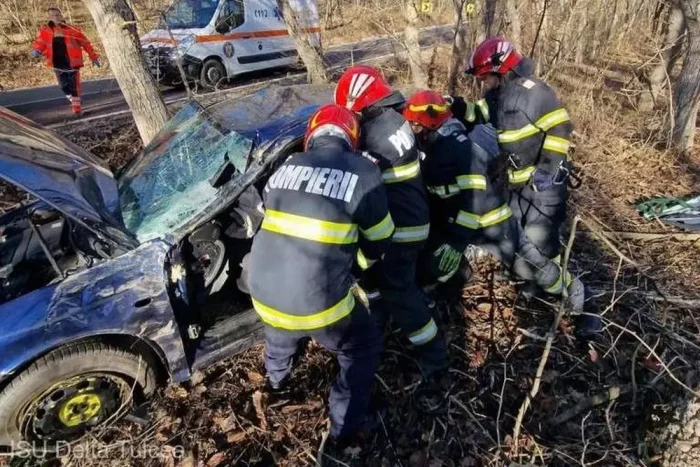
(276, 388)
(344, 449)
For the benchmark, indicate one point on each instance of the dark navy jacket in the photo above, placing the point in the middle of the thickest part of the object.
(461, 177)
(321, 206)
(533, 125)
(387, 137)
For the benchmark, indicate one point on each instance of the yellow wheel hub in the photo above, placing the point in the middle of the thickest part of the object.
(79, 409)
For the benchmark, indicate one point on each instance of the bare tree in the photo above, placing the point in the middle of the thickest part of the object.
(412, 43)
(116, 26)
(309, 52)
(514, 29)
(668, 55)
(459, 46)
(686, 95)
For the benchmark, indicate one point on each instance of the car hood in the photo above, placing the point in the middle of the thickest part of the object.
(60, 173)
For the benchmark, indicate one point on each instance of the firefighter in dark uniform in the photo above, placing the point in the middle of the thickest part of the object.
(534, 130)
(388, 139)
(321, 206)
(465, 176)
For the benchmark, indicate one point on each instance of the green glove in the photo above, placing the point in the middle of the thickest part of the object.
(446, 260)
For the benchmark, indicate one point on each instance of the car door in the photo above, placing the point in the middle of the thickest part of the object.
(235, 38)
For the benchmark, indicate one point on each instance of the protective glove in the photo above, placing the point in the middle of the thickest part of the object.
(542, 180)
(36, 54)
(96, 63)
(446, 260)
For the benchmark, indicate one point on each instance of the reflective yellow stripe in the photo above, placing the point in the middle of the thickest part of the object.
(363, 261)
(381, 230)
(556, 288)
(440, 191)
(468, 220)
(402, 172)
(309, 228)
(522, 175)
(321, 319)
(474, 221)
(496, 216)
(484, 107)
(552, 119)
(470, 114)
(545, 123)
(511, 136)
(556, 144)
(424, 334)
(471, 182)
(411, 234)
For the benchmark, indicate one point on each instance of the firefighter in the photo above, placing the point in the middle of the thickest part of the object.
(387, 138)
(465, 176)
(321, 206)
(534, 130)
(62, 45)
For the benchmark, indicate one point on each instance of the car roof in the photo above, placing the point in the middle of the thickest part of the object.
(264, 115)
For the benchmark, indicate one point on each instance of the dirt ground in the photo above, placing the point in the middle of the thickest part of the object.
(609, 402)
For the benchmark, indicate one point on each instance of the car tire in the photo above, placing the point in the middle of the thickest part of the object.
(212, 74)
(43, 379)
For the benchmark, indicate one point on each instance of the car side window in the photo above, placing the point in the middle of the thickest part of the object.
(233, 14)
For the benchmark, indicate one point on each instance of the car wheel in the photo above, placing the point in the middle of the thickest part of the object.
(71, 390)
(213, 73)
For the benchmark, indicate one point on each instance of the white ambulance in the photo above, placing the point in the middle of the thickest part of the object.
(218, 39)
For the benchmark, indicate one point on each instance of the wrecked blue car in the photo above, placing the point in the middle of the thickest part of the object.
(112, 285)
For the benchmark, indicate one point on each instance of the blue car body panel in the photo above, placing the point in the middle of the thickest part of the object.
(126, 295)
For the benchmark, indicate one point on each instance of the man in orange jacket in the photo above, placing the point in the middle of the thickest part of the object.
(62, 45)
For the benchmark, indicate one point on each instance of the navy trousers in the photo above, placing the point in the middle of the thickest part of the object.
(356, 343)
(394, 277)
(540, 216)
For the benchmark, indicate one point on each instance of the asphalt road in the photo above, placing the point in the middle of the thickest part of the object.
(48, 106)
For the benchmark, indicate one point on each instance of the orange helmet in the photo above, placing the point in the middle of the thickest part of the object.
(427, 108)
(360, 87)
(334, 120)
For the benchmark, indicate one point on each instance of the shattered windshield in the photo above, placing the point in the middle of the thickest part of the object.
(169, 184)
(186, 14)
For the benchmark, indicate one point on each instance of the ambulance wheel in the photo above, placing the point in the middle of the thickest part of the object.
(70, 391)
(212, 74)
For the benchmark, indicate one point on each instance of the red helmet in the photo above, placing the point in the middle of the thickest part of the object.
(494, 55)
(427, 108)
(334, 120)
(360, 87)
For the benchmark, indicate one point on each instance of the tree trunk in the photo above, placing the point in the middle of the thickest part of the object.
(686, 95)
(539, 47)
(489, 16)
(311, 55)
(581, 35)
(671, 48)
(116, 26)
(459, 47)
(411, 39)
(514, 27)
